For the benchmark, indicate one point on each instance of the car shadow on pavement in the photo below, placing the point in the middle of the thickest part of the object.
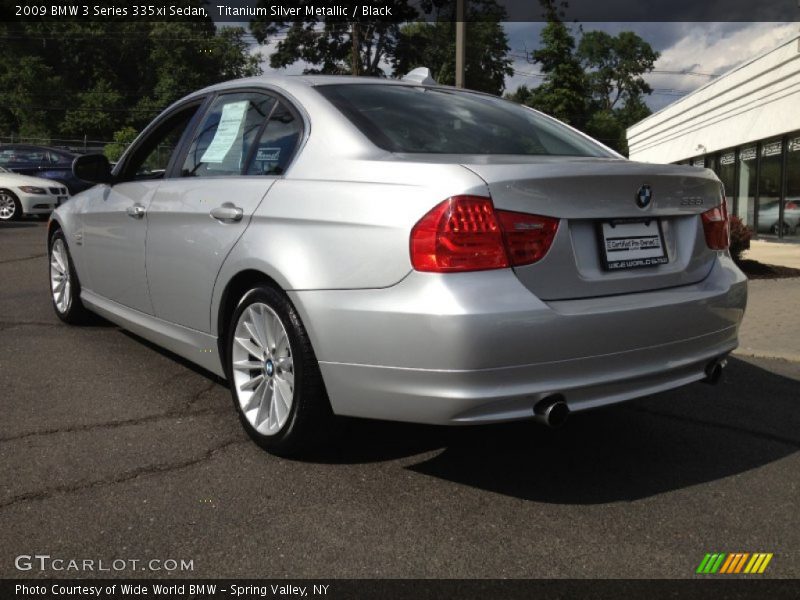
(670, 441)
(172, 356)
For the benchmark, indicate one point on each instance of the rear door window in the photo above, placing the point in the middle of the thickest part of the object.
(277, 144)
(225, 138)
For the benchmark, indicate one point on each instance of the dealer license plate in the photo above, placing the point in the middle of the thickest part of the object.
(631, 243)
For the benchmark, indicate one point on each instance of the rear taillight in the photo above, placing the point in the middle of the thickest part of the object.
(528, 237)
(466, 233)
(791, 206)
(717, 227)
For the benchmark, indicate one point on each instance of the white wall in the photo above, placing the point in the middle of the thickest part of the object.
(758, 99)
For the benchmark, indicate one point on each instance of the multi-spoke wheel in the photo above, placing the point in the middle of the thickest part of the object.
(10, 208)
(60, 284)
(64, 286)
(274, 376)
(263, 372)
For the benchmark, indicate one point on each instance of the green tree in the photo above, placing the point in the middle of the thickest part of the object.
(596, 86)
(122, 139)
(373, 48)
(92, 78)
(95, 112)
(563, 92)
(432, 45)
(615, 65)
(334, 47)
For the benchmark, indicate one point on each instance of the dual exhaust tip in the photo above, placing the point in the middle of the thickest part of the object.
(553, 410)
(714, 371)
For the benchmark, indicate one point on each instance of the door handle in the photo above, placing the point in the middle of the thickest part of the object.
(136, 211)
(227, 212)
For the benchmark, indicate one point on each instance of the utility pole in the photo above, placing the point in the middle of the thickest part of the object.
(461, 34)
(355, 58)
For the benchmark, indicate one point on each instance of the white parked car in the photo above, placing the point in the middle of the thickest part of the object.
(23, 195)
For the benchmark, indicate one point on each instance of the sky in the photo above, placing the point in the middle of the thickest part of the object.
(701, 50)
(697, 52)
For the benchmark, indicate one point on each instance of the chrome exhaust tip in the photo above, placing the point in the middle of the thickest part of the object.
(714, 371)
(551, 411)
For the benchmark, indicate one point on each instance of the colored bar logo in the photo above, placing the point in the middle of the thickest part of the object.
(735, 562)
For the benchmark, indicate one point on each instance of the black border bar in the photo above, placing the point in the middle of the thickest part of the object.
(709, 587)
(287, 11)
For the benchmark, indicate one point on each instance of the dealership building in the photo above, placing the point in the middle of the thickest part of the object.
(745, 125)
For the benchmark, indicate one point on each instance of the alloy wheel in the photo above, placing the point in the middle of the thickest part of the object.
(263, 369)
(8, 207)
(60, 281)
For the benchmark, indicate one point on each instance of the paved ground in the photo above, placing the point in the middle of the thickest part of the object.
(112, 449)
(771, 326)
(786, 254)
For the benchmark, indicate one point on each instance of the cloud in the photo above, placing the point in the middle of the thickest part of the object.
(711, 49)
(701, 48)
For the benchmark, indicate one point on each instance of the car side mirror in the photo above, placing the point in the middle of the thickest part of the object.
(93, 168)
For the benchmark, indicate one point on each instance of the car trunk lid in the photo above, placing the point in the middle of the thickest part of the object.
(584, 194)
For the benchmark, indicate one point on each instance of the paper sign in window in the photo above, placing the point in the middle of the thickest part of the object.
(230, 123)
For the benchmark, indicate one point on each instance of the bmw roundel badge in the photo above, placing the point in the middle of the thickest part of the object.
(644, 196)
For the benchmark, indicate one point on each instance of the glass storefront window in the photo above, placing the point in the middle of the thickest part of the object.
(727, 175)
(769, 188)
(791, 206)
(711, 163)
(745, 201)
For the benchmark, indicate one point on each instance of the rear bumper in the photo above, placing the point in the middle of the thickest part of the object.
(479, 347)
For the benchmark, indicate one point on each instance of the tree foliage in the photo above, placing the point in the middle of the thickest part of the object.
(383, 49)
(433, 45)
(76, 79)
(327, 45)
(595, 85)
(615, 65)
(563, 92)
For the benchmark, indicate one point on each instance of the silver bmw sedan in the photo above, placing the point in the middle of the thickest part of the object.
(400, 250)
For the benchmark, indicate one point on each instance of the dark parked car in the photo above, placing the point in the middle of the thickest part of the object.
(41, 161)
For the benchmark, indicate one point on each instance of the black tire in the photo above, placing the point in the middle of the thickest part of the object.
(75, 313)
(311, 422)
(8, 199)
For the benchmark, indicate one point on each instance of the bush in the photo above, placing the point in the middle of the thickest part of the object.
(122, 139)
(740, 238)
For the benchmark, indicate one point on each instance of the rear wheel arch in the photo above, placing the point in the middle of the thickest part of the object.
(266, 367)
(235, 289)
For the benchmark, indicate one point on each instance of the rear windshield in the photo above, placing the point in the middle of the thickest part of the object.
(417, 119)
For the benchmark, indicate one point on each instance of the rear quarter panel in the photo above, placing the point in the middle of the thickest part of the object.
(345, 232)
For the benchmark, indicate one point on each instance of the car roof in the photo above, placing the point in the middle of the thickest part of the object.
(292, 83)
(34, 147)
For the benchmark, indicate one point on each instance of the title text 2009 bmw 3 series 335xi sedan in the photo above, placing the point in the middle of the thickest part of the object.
(399, 250)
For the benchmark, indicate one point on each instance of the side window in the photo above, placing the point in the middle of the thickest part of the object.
(151, 156)
(35, 157)
(62, 160)
(225, 137)
(277, 144)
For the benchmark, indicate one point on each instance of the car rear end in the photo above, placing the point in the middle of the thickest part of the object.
(565, 276)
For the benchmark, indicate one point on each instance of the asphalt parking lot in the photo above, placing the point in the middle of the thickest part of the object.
(110, 448)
